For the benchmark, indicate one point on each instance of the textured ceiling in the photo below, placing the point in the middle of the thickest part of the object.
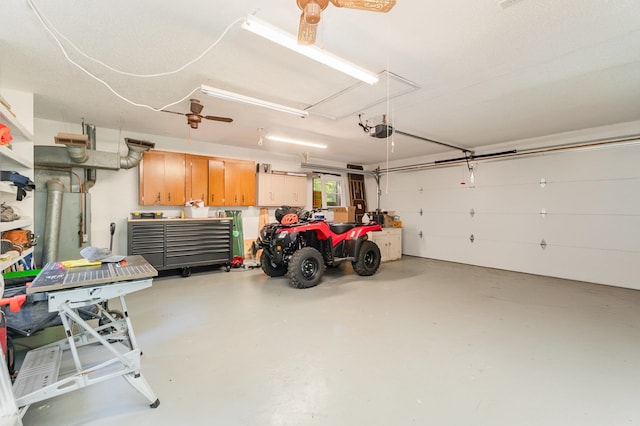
(484, 73)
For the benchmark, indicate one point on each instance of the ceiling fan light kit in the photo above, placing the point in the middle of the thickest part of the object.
(312, 12)
(236, 97)
(289, 41)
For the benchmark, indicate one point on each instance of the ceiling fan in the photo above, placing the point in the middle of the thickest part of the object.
(312, 9)
(194, 117)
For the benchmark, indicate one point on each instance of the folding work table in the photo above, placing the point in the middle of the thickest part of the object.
(88, 354)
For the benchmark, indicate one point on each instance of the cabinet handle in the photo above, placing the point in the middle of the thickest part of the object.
(158, 198)
(242, 198)
(202, 197)
(169, 197)
(213, 197)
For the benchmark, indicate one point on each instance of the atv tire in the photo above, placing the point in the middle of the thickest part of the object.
(271, 269)
(306, 268)
(368, 260)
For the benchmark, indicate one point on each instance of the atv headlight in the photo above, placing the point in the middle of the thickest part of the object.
(282, 235)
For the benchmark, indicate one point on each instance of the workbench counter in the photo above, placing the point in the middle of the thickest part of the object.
(179, 219)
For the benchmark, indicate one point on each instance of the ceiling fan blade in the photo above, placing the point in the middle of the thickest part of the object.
(214, 118)
(371, 5)
(173, 112)
(306, 31)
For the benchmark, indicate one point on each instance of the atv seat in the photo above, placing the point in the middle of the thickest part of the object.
(341, 228)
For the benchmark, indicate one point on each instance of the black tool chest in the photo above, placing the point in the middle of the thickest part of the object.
(182, 243)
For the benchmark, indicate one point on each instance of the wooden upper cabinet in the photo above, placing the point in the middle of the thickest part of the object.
(171, 179)
(162, 179)
(216, 182)
(239, 183)
(197, 178)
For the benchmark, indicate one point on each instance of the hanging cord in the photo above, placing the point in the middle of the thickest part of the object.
(386, 190)
(51, 29)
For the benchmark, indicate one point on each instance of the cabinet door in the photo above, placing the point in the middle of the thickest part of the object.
(389, 241)
(216, 182)
(197, 178)
(174, 179)
(295, 191)
(162, 179)
(247, 183)
(239, 183)
(151, 171)
(270, 190)
(232, 177)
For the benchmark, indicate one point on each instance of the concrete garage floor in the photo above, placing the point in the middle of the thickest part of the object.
(422, 342)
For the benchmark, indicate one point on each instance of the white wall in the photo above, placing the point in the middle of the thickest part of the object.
(115, 194)
(591, 199)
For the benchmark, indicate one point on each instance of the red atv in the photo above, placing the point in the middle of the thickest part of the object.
(302, 246)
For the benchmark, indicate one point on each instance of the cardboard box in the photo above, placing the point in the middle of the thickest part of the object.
(344, 214)
(196, 211)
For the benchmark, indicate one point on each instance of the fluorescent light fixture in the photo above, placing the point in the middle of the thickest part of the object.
(285, 39)
(296, 142)
(230, 96)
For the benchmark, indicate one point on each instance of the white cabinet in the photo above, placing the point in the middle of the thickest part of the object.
(275, 190)
(389, 240)
(295, 190)
(270, 189)
(19, 159)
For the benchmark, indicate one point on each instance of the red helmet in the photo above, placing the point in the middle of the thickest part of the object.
(289, 219)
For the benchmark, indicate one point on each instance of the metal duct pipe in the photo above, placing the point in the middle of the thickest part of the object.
(91, 175)
(55, 189)
(50, 156)
(134, 156)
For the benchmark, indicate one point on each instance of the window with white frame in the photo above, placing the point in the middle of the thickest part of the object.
(327, 191)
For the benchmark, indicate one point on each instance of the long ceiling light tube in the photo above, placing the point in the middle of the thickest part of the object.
(235, 97)
(289, 41)
(296, 142)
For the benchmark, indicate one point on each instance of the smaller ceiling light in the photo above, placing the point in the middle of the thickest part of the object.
(230, 96)
(296, 142)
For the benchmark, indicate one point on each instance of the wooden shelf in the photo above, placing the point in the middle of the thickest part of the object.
(17, 128)
(6, 187)
(14, 224)
(12, 160)
(7, 263)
